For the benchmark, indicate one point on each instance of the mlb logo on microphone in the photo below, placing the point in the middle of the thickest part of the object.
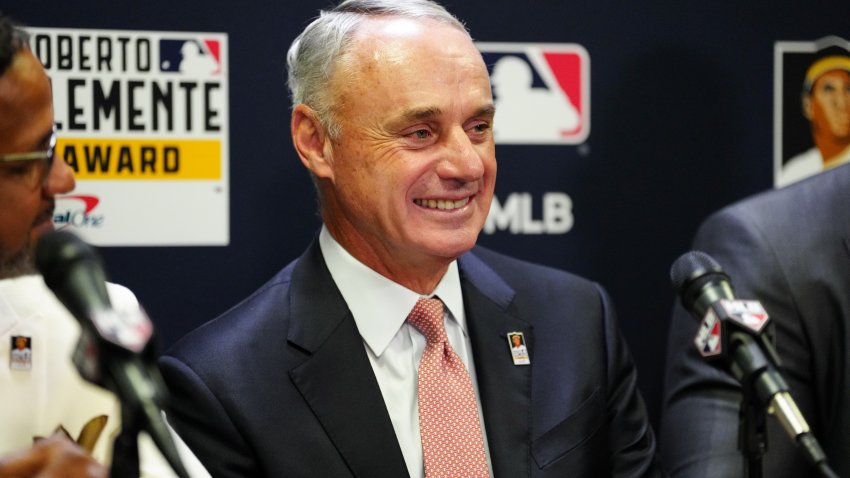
(708, 340)
(541, 92)
(196, 56)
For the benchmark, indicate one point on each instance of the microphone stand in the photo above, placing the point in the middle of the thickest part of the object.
(136, 417)
(738, 333)
(765, 391)
(752, 433)
(125, 451)
(139, 415)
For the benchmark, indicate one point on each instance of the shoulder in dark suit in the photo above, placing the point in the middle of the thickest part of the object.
(281, 385)
(790, 249)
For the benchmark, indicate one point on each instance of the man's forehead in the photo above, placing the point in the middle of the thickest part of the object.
(24, 69)
(838, 74)
(400, 26)
(395, 26)
(832, 79)
(24, 76)
(389, 39)
(26, 109)
(486, 109)
(414, 68)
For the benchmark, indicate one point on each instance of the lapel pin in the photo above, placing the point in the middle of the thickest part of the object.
(519, 352)
(21, 354)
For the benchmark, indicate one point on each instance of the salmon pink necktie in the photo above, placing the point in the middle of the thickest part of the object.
(452, 445)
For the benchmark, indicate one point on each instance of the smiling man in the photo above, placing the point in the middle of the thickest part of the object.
(384, 350)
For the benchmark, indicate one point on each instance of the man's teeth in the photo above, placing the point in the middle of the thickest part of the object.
(441, 203)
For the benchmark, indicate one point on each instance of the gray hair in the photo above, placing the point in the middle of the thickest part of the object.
(314, 54)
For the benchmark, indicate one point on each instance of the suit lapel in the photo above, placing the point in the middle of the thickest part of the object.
(505, 388)
(336, 379)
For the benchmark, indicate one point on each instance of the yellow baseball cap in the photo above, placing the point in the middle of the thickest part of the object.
(825, 64)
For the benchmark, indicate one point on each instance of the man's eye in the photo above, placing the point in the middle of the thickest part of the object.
(421, 134)
(22, 169)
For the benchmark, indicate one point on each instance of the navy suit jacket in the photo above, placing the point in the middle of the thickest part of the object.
(790, 249)
(281, 385)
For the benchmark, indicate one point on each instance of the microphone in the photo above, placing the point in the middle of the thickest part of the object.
(115, 350)
(739, 333)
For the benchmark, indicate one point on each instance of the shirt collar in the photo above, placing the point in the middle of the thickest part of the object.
(24, 293)
(379, 305)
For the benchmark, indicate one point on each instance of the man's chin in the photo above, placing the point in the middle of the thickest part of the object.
(18, 264)
(41, 228)
(453, 248)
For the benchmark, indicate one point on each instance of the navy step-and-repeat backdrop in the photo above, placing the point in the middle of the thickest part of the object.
(620, 126)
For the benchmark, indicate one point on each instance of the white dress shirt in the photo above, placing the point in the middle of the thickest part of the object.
(380, 308)
(808, 163)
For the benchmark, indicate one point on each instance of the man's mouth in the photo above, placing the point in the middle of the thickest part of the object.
(446, 204)
(45, 216)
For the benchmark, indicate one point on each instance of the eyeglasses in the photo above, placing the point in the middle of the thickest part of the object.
(33, 174)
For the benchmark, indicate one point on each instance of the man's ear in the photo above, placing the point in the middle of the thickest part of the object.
(310, 138)
(807, 106)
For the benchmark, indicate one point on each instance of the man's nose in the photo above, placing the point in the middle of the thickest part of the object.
(462, 158)
(60, 178)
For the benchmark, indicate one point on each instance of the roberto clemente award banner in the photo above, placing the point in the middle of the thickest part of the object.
(143, 122)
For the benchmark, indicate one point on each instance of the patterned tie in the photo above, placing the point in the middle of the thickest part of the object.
(448, 415)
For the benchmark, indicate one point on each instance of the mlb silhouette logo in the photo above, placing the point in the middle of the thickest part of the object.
(190, 56)
(541, 92)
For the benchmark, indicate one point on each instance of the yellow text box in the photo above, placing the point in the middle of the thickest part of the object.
(141, 159)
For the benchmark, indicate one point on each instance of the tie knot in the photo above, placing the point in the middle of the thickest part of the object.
(427, 317)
